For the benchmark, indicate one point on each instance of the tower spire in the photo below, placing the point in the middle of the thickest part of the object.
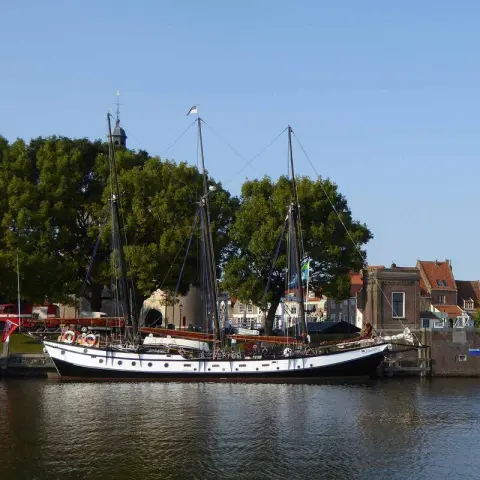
(118, 107)
(119, 137)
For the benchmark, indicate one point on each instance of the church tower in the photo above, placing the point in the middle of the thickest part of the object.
(118, 135)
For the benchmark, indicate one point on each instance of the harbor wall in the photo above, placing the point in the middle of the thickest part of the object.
(452, 351)
(26, 365)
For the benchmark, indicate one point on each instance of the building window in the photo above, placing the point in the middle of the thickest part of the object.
(333, 317)
(442, 283)
(241, 307)
(311, 294)
(340, 316)
(250, 308)
(468, 304)
(442, 299)
(293, 310)
(425, 323)
(398, 304)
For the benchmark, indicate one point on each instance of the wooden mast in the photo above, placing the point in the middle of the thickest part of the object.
(131, 327)
(294, 211)
(207, 236)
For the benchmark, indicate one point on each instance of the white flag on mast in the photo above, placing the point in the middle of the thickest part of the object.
(192, 111)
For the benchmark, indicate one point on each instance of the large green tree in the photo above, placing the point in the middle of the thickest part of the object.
(159, 201)
(54, 196)
(331, 238)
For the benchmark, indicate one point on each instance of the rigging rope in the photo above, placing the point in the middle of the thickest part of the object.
(178, 138)
(343, 224)
(275, 258)
(186, 253)
(95, 249)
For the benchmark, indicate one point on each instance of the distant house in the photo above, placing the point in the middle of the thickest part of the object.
(287, 311)
(468, 295)
(348, 309)
(439, 292)
(246, 315)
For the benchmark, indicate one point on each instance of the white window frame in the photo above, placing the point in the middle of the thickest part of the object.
(241, 308)
(249, 308)
(469, 304)
(403, 305)
(442, 299)
(427, 320)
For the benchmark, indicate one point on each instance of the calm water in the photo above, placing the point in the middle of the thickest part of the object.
(405, 429)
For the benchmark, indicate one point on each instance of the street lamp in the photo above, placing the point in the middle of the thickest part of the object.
(181, 318)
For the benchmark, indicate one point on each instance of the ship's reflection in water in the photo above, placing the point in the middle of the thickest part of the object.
(381, 429)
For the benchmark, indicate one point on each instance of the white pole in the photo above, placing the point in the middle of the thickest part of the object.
(18, 292)
(306, 302)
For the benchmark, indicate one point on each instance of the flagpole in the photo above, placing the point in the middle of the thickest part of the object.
(308, 280)
(18, 293)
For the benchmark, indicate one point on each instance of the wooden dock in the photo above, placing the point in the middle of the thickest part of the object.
(399, 367)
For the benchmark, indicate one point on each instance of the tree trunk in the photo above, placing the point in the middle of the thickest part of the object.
(96, 297)
(270, 320)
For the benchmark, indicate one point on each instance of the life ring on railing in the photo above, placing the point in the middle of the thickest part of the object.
(69, 336)
(255, 348)
(90, 340)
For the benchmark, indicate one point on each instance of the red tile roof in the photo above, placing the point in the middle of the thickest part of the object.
(356, 283)
(438, 275)
(423, 289)
(450, 310)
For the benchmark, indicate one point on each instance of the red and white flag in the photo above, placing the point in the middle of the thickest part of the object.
(8, 330)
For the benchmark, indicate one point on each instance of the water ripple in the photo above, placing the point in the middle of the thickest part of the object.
(390, 429)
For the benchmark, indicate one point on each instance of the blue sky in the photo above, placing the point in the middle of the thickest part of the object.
(384, 96)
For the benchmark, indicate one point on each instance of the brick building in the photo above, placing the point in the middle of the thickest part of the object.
(439, 292)
(391, 297)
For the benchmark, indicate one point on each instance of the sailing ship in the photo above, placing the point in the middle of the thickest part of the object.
(170, 355)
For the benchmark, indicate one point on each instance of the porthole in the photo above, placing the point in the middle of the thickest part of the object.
(62, 352)
(85, 350)
(166, 365)
(149, 364)
(101, 360)
(194, 369)
(208, 369)
(236, 369)
(257, 368)
(134, 363)
(120, 362)
(298, 366)
(311, 364)
(278, 368)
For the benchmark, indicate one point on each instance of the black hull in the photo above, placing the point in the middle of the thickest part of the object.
(364, 367)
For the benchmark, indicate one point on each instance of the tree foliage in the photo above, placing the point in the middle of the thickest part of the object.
(330, 240)
(53, 201)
